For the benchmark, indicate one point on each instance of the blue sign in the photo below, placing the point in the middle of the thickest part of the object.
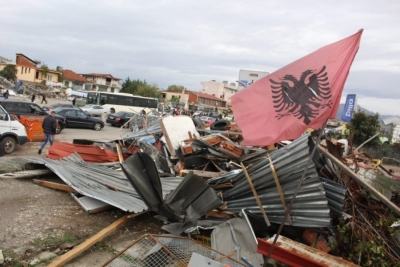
(19, 83)
(349, 108)
(245, 83)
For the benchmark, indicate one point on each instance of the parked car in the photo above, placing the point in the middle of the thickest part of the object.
(53, 106)
(12, 132)
(207, 120)
(78, 119)
(119, 118)
(18, 108)
(95, 110)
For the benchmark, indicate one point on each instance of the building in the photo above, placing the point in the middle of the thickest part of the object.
(248, 77)
(206, 102)
(103, 82)
(390, 127)
(75, 81)
(221, 90)
(172, 96)
(28, 72)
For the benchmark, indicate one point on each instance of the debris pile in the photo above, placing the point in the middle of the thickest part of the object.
(199, 180)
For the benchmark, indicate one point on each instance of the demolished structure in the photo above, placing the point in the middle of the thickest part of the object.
(215, 190)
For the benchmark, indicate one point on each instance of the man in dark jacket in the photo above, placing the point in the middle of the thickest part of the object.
(49, 129)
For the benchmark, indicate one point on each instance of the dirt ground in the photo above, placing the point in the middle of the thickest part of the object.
(34, 219)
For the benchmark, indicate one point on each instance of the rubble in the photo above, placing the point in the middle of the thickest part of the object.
(196, 180)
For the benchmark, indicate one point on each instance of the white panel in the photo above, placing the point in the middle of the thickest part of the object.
(176, 129)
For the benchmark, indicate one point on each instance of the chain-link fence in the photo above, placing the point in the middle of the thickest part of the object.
(163, 250)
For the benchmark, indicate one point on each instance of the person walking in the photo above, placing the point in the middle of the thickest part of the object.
(44, 99)
(33, 98)
(49, 128)
(6, 94)
(74, 101)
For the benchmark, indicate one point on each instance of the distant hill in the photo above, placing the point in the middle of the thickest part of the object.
(366, 111)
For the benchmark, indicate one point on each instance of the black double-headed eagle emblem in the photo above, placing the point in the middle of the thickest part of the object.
(301, 98)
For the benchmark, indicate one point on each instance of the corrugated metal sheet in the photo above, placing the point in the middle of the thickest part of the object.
(100, 182)
(310, 208)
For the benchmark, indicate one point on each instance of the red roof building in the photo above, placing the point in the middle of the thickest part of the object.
(103, 82)
(202, 99)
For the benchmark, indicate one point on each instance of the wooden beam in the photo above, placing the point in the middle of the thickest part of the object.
(62, 187)
(204, 174)
(76, 251)
(119, 152)
(255, 194)
(361, 182)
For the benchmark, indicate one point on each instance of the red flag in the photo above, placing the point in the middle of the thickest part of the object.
(301, 95)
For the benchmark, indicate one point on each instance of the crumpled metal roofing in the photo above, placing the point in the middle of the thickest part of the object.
(310, 208)
(101, 182)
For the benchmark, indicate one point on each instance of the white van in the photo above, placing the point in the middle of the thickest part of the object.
(12, 132)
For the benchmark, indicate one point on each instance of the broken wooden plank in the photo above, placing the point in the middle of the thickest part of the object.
(203, 174)
(25, 174)
(62, 187)
(360, 181)
(220, 214)
(76, 251)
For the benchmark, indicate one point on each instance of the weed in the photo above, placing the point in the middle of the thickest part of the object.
(51, 241)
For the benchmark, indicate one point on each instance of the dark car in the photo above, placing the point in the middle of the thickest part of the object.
(53, 106)
(78, 119)
(119, 118)
(18, 108)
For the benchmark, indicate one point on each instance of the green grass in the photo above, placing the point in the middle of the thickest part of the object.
(51, 241)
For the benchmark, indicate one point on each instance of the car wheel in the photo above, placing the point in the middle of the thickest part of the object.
(112, 110)
(97, 126)
(58, 128)
(219, 125)
(8, 145)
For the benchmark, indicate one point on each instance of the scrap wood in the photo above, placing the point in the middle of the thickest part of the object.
(278, 186)
(361, 181)
(255, 194)
(203, 174)
(220, 214)
(312, 238)
(231, 148)
(76, 251)
(57, 186)
(223, 186)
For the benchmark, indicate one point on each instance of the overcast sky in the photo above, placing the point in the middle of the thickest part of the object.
(185, 42)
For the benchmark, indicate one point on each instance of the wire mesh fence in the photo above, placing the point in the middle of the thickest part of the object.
(163, 250)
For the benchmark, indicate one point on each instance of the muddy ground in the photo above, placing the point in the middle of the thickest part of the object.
(34, 219)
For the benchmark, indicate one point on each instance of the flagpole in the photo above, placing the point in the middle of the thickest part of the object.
(295, 194)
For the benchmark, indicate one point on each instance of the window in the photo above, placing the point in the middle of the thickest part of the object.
(49, 77)
(26, 69)
(22, 70)
(70, 113)
(29, 70)
(253, 75)
(81, 114)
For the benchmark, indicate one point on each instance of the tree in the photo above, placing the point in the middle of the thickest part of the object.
(132, 86)
(363, 127)
(176, 88)
(149, 91)
(9, 72)
(175, 98)
(45, 70)
(60, 77)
